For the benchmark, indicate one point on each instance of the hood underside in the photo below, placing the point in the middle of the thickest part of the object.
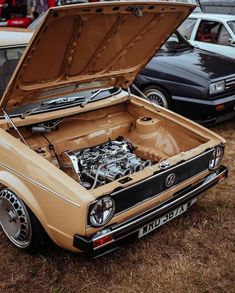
(91, 45)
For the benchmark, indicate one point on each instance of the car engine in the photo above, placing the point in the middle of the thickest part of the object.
(99, 165)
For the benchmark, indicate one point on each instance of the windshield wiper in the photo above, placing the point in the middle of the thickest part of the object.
(65, 100)
(48, 104)
(95, 93)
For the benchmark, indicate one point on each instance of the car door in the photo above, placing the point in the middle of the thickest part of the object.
(213, 36)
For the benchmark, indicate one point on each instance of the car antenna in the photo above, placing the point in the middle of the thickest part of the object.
(144, 96)
(8, 119)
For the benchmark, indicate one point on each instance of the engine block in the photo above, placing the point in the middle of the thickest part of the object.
(104, 163)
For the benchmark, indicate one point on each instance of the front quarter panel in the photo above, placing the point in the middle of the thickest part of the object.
(175, 80)
(59, 203)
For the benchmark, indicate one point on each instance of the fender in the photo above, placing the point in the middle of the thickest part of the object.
(51, 194)
(10, 181)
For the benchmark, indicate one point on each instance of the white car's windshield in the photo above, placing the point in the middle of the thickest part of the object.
(232, 26)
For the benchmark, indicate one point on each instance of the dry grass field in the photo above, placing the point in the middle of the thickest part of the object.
(193, 253)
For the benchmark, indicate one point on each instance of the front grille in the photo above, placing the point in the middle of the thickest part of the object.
(154, 185)
(230, 84)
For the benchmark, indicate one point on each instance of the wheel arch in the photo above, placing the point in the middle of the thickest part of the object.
(149, 84)
(12, 182)
(35, 198)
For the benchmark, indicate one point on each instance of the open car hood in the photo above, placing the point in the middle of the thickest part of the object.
(86, 46)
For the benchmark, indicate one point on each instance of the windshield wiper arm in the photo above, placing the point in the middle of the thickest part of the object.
(95, 93)
(64, 100)
(47, 104)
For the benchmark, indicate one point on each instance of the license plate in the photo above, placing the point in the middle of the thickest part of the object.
(164, 219)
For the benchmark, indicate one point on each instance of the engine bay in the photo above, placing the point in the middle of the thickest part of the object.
(109, 144)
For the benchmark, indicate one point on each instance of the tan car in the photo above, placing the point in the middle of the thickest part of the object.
(82, 160)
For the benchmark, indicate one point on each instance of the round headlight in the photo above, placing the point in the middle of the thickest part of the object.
(102, 211)
(216, 158)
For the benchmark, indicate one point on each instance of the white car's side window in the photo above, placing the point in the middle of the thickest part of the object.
(208, 31)
(186, 28)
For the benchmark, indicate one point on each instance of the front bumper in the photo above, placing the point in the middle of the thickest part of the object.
(122, 233)
(206, 112)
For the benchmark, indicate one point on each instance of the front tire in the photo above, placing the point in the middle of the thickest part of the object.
(18, 222)
(159, 96)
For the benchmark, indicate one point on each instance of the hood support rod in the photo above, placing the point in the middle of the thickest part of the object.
(8, 119)
(144, 96)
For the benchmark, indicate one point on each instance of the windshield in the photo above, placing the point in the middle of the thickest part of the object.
(9, 57)
(175, 43)
(232, 26)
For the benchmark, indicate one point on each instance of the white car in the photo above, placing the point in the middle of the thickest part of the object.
(212, 32)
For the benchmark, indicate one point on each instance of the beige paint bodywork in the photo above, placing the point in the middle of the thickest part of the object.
(58, 201)
(61, 203)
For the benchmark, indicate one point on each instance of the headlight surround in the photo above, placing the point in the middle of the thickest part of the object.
(217, 87)
(216, 158)
(102, 211)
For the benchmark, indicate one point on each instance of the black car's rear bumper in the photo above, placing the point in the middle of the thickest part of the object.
(120, 234)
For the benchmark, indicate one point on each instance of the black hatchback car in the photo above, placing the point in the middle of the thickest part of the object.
(195, 83)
